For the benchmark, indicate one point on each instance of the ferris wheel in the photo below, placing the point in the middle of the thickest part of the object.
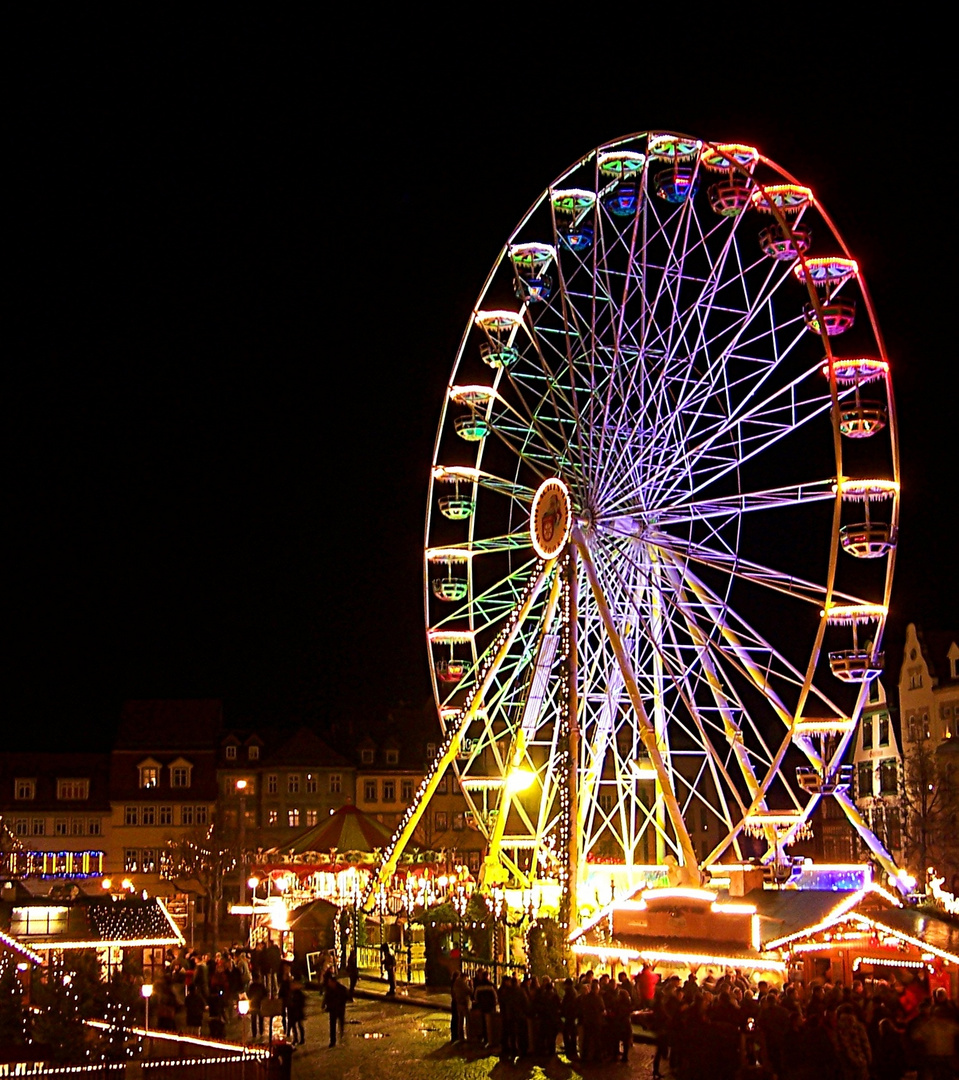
(662, 519)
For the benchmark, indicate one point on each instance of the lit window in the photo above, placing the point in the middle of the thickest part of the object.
(180, 776)
(148, 815)
(389, 791)
(73, 789)
(271, 784)
(252, 752)
(131, 815)
(293, 818)
(201, 815)
(336, 783)
(231, 752)
(369, 790)
(166, 815)
(186, 815)
(310, 784)
(293, 783)
(149, 774)
(312, 817)
(273, 817)
(131, 859)
(407, 791)
(148, 862)
(392, 757)
(24, 789)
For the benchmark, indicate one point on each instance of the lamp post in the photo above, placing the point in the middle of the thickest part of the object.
(241, 791)
(147, 991)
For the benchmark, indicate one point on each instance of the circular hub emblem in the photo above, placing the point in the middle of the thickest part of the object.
(550, 518)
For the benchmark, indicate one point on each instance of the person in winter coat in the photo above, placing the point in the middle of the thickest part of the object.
(334, 1002)
(296, 1013)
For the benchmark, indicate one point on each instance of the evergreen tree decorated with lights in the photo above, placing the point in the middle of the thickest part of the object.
(58, 1020)
(13, 1019)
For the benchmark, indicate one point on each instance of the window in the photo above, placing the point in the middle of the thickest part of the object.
(442, 821)
(293, 783)
(131, 815)
(407, 791)
(149, 774)
(312, 817)
(459, 821)
(38, 826)
(926, 733)
(60, 827)
(148, 815)
(73, 789)
(442, 788)
(76, 826)
(201, 815)
(888, 777)
(336, 783)
(884, 731)
(271, 784)
(369, 790)
(430, 751)
(392, 757)
(186, 815)
(310, 784)
(867, 733)
(148, 861)
(293, 818)
(231, 753)
(366, 756)
(473, 861)
(28, 922)
(272, 817)
(93, 827)
(20, 826)
(912, 727)
(606, 801)
(131, 859)
(24, 789)
(252, 753)
(865, 780)
(389, 791)
(166, 815)
(180, 776)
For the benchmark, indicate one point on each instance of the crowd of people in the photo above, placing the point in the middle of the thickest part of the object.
(724, 1029)
(200, 992)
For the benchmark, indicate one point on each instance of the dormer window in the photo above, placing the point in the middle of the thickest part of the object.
(253, 752)
(149, 773)
(392, 757)
(231, 753)
(366, 756)
(24, 788)
(181, 772)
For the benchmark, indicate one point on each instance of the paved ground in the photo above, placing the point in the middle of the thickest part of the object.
(399, 1039)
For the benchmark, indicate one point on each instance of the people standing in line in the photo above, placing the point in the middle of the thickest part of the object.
(389, 966)
(335, 996)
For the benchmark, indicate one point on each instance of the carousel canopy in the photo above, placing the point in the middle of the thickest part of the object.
(354, 837)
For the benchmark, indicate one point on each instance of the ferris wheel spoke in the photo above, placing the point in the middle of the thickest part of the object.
(791, 495)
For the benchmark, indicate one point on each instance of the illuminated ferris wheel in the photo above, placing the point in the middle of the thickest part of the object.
(662, 520)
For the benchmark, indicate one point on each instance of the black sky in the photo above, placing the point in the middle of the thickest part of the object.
(241, 261)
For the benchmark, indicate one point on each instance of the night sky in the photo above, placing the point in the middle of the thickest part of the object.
(240, 270)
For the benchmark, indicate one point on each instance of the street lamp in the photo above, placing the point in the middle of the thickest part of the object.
(147, 991)
(241, 791)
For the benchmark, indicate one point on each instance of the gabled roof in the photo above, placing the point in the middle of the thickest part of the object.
(305, 749)
(784, 912)
(164, 724)
(101, 921)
